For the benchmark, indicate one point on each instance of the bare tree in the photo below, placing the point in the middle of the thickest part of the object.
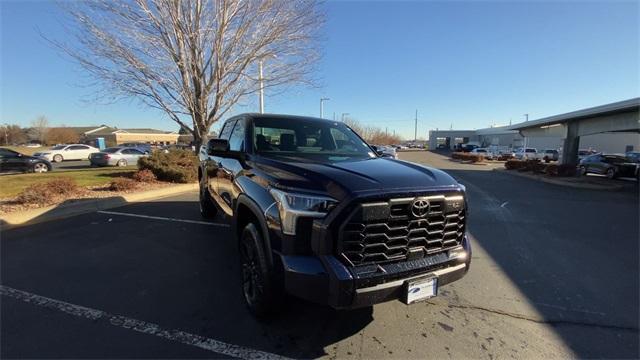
(62, 135)
(12, 135)
(371, 134)
(194, 59)
(39, 129)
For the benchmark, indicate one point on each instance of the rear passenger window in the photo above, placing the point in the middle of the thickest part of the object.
(236, 142)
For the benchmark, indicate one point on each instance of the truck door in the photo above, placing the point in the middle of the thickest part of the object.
(230, 167)
(213, 168)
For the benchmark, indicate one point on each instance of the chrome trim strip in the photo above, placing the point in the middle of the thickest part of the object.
(401, 281)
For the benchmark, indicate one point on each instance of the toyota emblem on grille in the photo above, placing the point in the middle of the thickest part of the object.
(420, 208)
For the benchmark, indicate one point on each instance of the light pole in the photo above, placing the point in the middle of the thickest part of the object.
(322, 100)
(343, 116)
(261, 86)
(524, 147)
(415, 134)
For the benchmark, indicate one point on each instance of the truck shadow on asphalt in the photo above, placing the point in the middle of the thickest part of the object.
(178, 275)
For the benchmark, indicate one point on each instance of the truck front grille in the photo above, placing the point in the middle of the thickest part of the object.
(389, 231)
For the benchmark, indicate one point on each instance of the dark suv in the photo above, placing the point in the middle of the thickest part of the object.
(318, 214)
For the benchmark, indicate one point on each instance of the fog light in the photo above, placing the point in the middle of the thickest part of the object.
(458, 254)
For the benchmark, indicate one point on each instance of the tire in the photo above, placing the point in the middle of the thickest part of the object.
(122, 163)
(261, 291)
(582, 170)
(57, 158)
(208, 209)
(611, 173)
(40, 168)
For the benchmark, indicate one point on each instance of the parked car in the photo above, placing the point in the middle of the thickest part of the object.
(168, 148)
(145, 148)
(467, 147)
(13, 161)
(483, 151)
(386, 151)
(61, 153)
(549, 155)
(526, 154)
(633, 156)
(317, 215)
(582, 153)
(611, 165)
(117, 156)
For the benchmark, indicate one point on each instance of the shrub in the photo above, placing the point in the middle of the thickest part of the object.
(45, 193)
(61, 186)
(552, 170)
(34, 194)
(514, 164)
(122, 184)
(145, 176)
(179, 166)
(536, 166)
(467, 157)
(567, 170)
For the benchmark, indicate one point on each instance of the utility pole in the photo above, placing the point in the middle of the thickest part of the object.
(415, 134)
(344, 115)
(524, 148)
(334, 116)
(322, 100)
(261, 87)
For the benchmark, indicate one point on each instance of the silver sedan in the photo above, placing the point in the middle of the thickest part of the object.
(117, 156)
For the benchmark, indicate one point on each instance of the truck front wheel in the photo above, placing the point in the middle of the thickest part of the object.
(261, 293)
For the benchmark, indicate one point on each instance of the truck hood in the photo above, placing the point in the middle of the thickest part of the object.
(353, 177)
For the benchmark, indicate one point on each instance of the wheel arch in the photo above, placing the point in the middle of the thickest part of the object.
(246, 211)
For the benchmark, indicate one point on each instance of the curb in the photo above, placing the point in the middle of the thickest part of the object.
(83, 206)
(563, 183)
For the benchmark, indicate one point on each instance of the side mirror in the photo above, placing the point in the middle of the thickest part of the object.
(217, 147)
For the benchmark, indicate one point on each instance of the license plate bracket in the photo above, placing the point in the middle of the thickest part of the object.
(421, 289)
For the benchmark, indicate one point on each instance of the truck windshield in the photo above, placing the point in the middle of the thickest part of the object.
(310, 139)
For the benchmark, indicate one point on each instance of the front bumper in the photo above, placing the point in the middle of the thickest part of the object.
(326, 280)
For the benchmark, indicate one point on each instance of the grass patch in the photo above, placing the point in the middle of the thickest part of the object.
(11, 185)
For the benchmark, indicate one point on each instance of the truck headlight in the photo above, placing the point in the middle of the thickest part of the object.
(291, 206)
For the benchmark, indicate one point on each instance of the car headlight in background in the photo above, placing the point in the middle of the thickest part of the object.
(291, 206)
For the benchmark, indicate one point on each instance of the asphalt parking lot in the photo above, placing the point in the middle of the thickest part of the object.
(554, 274)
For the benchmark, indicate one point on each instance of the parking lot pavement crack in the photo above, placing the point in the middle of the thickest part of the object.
(552, 322)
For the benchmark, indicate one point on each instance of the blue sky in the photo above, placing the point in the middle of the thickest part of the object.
(461, 64)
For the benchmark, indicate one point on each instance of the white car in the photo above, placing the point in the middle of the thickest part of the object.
(526, 154)
(483, 151)
(60, 153)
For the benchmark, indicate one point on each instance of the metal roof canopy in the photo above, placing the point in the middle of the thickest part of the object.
(597, 111)
(621, 116)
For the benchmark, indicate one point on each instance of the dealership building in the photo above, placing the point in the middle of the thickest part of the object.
(610, 128)
(114, 136)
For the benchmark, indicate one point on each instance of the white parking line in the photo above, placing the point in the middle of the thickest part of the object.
(162, 218)
(202, 342)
